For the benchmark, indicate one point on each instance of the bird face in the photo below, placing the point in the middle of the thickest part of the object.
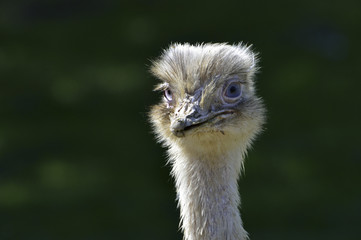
(188, 113)
(208, 93)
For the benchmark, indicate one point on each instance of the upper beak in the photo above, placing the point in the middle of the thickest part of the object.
(189, 115)
(184, 116)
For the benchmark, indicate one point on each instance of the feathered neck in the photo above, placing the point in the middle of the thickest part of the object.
(207, 192)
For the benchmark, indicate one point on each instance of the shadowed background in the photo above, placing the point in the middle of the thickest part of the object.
(77, 156)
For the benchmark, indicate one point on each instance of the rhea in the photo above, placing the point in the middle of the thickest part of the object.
(208, 118)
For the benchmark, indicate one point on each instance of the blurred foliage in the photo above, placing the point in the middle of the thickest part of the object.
(77, 157)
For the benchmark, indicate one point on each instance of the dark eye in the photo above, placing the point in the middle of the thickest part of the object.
(233, 91)
(168, 94)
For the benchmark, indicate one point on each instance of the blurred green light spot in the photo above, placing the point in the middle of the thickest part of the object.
(55, 174)
(13, 194)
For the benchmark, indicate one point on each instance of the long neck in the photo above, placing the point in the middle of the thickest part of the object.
(208, 195)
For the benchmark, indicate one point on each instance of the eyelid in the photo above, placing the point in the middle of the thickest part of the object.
(236, 79)
(161, 87)
(233, 80)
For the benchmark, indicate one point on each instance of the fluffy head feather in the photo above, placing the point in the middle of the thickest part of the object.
(197, 76)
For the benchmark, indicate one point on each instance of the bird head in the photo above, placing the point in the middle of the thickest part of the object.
(209, 94)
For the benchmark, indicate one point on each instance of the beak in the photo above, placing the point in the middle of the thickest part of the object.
(182, 122)
(190, 115)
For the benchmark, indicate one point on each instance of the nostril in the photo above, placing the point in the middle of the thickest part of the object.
(196, 115)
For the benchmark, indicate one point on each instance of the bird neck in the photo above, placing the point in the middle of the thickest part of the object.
(208, 194)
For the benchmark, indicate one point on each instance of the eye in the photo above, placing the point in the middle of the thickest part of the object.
(168, 94)
(232, 92)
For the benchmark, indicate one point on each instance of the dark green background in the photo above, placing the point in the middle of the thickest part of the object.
(77, 156)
